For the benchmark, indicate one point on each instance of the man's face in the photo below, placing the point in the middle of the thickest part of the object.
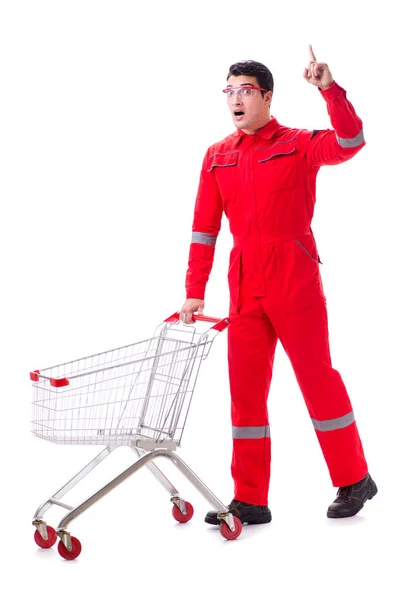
(249, 109)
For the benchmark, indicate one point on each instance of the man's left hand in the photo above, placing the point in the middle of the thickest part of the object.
(318, 73)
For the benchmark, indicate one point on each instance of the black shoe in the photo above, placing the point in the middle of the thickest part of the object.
(351, 499)
(247, 513)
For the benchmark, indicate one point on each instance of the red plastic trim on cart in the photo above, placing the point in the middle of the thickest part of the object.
(59, 382)
(55, 382)
(220, 324)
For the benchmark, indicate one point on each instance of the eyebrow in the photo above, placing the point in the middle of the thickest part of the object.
(241, 85)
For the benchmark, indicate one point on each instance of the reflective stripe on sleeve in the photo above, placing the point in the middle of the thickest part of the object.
(351, 142)
(332, 424)
(204, 238)
(250, 433)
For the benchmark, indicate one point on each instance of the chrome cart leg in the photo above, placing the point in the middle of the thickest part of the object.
(55, 499)
(158, 474)
(223, 514)
(78, 510)
(164, 481)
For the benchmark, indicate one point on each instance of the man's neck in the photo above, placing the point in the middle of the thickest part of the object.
(254, 131)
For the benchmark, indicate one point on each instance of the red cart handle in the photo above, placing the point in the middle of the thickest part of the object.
(220, 324)
(54, 381)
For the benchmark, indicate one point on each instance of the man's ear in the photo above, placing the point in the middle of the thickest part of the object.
(268, 98)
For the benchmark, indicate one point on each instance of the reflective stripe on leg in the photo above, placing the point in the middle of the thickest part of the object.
(332, 424)
(250, 433)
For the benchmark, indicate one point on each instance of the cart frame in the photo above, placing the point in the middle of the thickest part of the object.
(148, 447)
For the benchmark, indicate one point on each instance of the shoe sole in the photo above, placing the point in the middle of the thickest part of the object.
(252, 522)
(373, 492)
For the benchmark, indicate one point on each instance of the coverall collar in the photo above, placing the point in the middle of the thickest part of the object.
(266, 132)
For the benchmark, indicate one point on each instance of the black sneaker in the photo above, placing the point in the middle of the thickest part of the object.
(351, 499)
(247, 513)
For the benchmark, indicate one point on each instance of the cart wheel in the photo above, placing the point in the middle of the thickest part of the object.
(180, 517)
(75, 552)
(227, 533)
(51, 540)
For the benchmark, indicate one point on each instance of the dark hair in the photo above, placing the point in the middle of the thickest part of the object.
(254, 69)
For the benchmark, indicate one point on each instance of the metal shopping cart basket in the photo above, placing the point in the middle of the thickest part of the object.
(137, 396)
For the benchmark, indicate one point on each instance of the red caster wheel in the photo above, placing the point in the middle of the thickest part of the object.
(227, 533)
(51, 539)
(180, 517)
(74, 553)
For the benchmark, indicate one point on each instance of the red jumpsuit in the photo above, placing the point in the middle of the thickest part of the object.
(265, 184)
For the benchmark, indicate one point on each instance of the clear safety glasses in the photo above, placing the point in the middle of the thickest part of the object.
(245, 91)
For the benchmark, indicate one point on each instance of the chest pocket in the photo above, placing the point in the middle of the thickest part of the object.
(277, 165)
(223, 166)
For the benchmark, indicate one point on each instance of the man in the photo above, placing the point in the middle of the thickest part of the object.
(263, 178)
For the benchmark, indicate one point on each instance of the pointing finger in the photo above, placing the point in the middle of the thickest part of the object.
(312, 53)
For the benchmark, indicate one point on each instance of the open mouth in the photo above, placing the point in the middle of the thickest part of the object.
(238, 113)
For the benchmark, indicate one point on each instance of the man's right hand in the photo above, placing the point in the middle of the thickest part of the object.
(191, 306)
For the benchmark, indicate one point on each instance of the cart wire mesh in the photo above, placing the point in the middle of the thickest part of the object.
(126, 396)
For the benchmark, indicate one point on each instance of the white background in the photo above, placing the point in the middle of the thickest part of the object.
(106, 110)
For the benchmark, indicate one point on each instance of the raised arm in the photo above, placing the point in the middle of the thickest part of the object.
(330, 147)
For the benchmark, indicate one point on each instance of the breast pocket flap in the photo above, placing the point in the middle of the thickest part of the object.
(226, 159)
(278, 149)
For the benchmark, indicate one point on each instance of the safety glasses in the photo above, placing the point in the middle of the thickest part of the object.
(243, 91)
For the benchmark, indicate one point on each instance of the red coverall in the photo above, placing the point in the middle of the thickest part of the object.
(265, 184)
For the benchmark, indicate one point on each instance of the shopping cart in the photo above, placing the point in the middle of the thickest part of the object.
(137, 396)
